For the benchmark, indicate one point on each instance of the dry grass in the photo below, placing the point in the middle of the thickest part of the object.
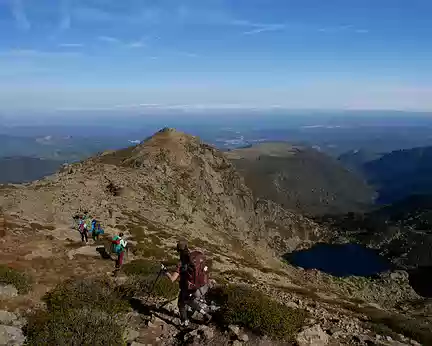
(240, 274)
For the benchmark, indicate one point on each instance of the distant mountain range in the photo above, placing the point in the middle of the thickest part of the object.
(301, 179)
(26, 169)
(396, 175)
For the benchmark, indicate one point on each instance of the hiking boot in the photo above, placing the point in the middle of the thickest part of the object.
(207, 318)
(184, 323)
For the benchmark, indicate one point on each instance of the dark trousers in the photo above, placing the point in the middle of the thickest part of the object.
(95, 236)
(84, 236)
(190, 298)
(119, 261)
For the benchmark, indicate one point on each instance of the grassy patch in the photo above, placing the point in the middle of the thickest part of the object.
(85, 293)
(73, 327)
(241, 274)
(141, 267)
(142, 285)
(149, 250)
(21, 281)
(204, 245)
(241, 305)
(82, 312)
(143, 274)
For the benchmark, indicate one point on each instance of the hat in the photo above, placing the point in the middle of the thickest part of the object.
(182, 245)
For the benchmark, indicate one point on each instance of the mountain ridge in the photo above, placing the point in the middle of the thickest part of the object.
(172, 186)
(301, 179)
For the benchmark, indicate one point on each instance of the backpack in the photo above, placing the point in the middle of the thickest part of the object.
(116, 247)
(197, 271)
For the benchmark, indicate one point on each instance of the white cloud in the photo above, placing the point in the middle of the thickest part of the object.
(137, 44)
(188, 54)
(90, 14)
(20, 15)
(256, 28)
(37, 53)
(65, 19)
(265, 28)
(71, 45)
(341, 28)
(108, 39)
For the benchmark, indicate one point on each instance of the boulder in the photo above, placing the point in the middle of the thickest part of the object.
(313, 336)
(243, 337)
(8, 291)
(11, 336)
(206, 332)
(132, 334)
(235, 330)
(7, 317)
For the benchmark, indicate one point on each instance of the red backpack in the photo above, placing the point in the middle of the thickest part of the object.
(197, 270)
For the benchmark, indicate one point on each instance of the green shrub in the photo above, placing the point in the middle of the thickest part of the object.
(74, 327)
(149, 250)
(141, 267)
(141, 285)
(254, 310)
(10, 276)
(85, 293)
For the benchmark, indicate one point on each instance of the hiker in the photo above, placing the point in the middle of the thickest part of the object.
(88, 223)
(83, 230)
(194, 281)
(97, 231)
(119, 248)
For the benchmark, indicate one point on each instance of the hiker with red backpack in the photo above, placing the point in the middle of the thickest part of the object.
(192, 272)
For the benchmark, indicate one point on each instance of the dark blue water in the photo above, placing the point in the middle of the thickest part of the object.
(340, 260)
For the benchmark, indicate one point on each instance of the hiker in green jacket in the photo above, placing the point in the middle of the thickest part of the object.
(119, 248)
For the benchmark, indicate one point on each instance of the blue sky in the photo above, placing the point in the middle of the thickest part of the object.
(109, 54)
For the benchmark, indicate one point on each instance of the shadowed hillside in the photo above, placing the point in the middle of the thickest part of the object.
(25, 169)
(401, 173)
(301, 179)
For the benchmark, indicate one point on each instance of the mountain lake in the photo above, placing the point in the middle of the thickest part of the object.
(340, 260)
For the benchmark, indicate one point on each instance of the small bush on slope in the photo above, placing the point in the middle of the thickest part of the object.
(254, 310)
(141, 267)
(141, 285)
(85, 293)
(143, 274)
(21, 281)
(81, 312)
(75, 327)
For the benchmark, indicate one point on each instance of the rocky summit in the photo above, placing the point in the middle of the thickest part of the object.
(168, 187)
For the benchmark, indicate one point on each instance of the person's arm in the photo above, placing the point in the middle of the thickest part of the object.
(172, 276)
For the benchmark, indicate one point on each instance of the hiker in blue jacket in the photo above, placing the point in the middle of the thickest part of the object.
(97, 231)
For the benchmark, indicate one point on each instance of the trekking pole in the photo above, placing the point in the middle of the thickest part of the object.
(162, 270)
